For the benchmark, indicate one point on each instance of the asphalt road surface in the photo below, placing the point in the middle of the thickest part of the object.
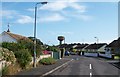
(89, 66)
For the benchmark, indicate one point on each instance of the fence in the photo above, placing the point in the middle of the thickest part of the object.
(91, 54)
(56, 55)
(106, 55)
(41, 57)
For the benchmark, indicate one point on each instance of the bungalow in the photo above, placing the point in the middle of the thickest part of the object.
(113, 48)
(95, 49)
(10, 37)
(80, 48)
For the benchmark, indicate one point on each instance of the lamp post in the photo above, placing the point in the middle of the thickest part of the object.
(96, 39)
(34, 60)
(97, 44)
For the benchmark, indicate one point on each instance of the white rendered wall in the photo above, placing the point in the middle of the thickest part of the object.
(6, 38)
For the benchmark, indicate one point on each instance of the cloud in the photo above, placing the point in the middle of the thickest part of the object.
(25, 19)
(55, 6)
(78, 8)
(62, 10)
(77, 15)
(86, 17)
(52, 18)
(30, 9)
(56, 11)
(66, 33)
(61, 5)
(60, 33)
(8, 13)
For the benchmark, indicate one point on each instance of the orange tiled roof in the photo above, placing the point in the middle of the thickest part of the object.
(18, 37)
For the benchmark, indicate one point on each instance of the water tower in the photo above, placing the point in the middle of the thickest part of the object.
(61, 38)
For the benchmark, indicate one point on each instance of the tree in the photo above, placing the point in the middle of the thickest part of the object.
(37, 40)
(23, 57)
(13, 46)
(39, 46)
(53, 48)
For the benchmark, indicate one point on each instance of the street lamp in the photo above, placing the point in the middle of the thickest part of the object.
(97, 44)
(97, 39)
(34, 60)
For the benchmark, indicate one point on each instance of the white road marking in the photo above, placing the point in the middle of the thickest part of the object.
(90, 66)
(90, 69)
(90, 74)
(56, 68)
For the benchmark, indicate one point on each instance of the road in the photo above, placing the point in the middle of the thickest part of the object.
(89, 66)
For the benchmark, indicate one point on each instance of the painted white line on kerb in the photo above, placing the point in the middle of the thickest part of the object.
(90, 74)
(55, 69)
(90, 66)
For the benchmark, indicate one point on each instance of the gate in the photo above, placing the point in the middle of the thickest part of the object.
(56, 55)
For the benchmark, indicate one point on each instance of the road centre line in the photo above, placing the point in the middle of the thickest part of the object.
(90, 74)
(90, 66)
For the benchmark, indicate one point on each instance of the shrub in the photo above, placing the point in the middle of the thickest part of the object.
(47, 61)
(13, 46)
(53, 48)
(7, 55)
(23, 57)
(11, 70)
(5, 70)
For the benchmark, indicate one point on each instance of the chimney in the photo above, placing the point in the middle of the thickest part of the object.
(8, 28)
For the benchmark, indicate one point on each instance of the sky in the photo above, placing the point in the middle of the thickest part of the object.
(78, 22)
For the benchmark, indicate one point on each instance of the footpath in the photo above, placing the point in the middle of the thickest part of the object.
(40, 71)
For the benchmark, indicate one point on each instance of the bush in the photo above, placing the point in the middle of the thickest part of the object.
(53, 48)
(23, 57)
(11, 70)
(5, 70)
(7, 55)
(48, 61)
(23, 44)
(13, 46)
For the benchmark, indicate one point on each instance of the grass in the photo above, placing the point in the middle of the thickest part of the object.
(116, 57)
(11, 70)
(47, 61)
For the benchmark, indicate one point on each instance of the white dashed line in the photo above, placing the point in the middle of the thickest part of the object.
(90, 69)
(90, 66)
(90, 74)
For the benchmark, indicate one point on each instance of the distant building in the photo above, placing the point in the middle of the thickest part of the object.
(11, 37)
(113, 47)
(94, 49)
(100, 47)
(80, 47)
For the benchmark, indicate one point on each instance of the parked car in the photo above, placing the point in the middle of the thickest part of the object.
(72, 53)
(67, 53)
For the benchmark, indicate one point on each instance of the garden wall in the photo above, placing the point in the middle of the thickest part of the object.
(41, 57)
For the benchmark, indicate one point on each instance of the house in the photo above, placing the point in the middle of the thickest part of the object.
(11, 37)
(80, 47)
(95, 49)
(67, 46)
(113, 48)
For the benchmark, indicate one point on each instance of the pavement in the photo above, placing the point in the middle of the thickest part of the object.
(39, 71)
